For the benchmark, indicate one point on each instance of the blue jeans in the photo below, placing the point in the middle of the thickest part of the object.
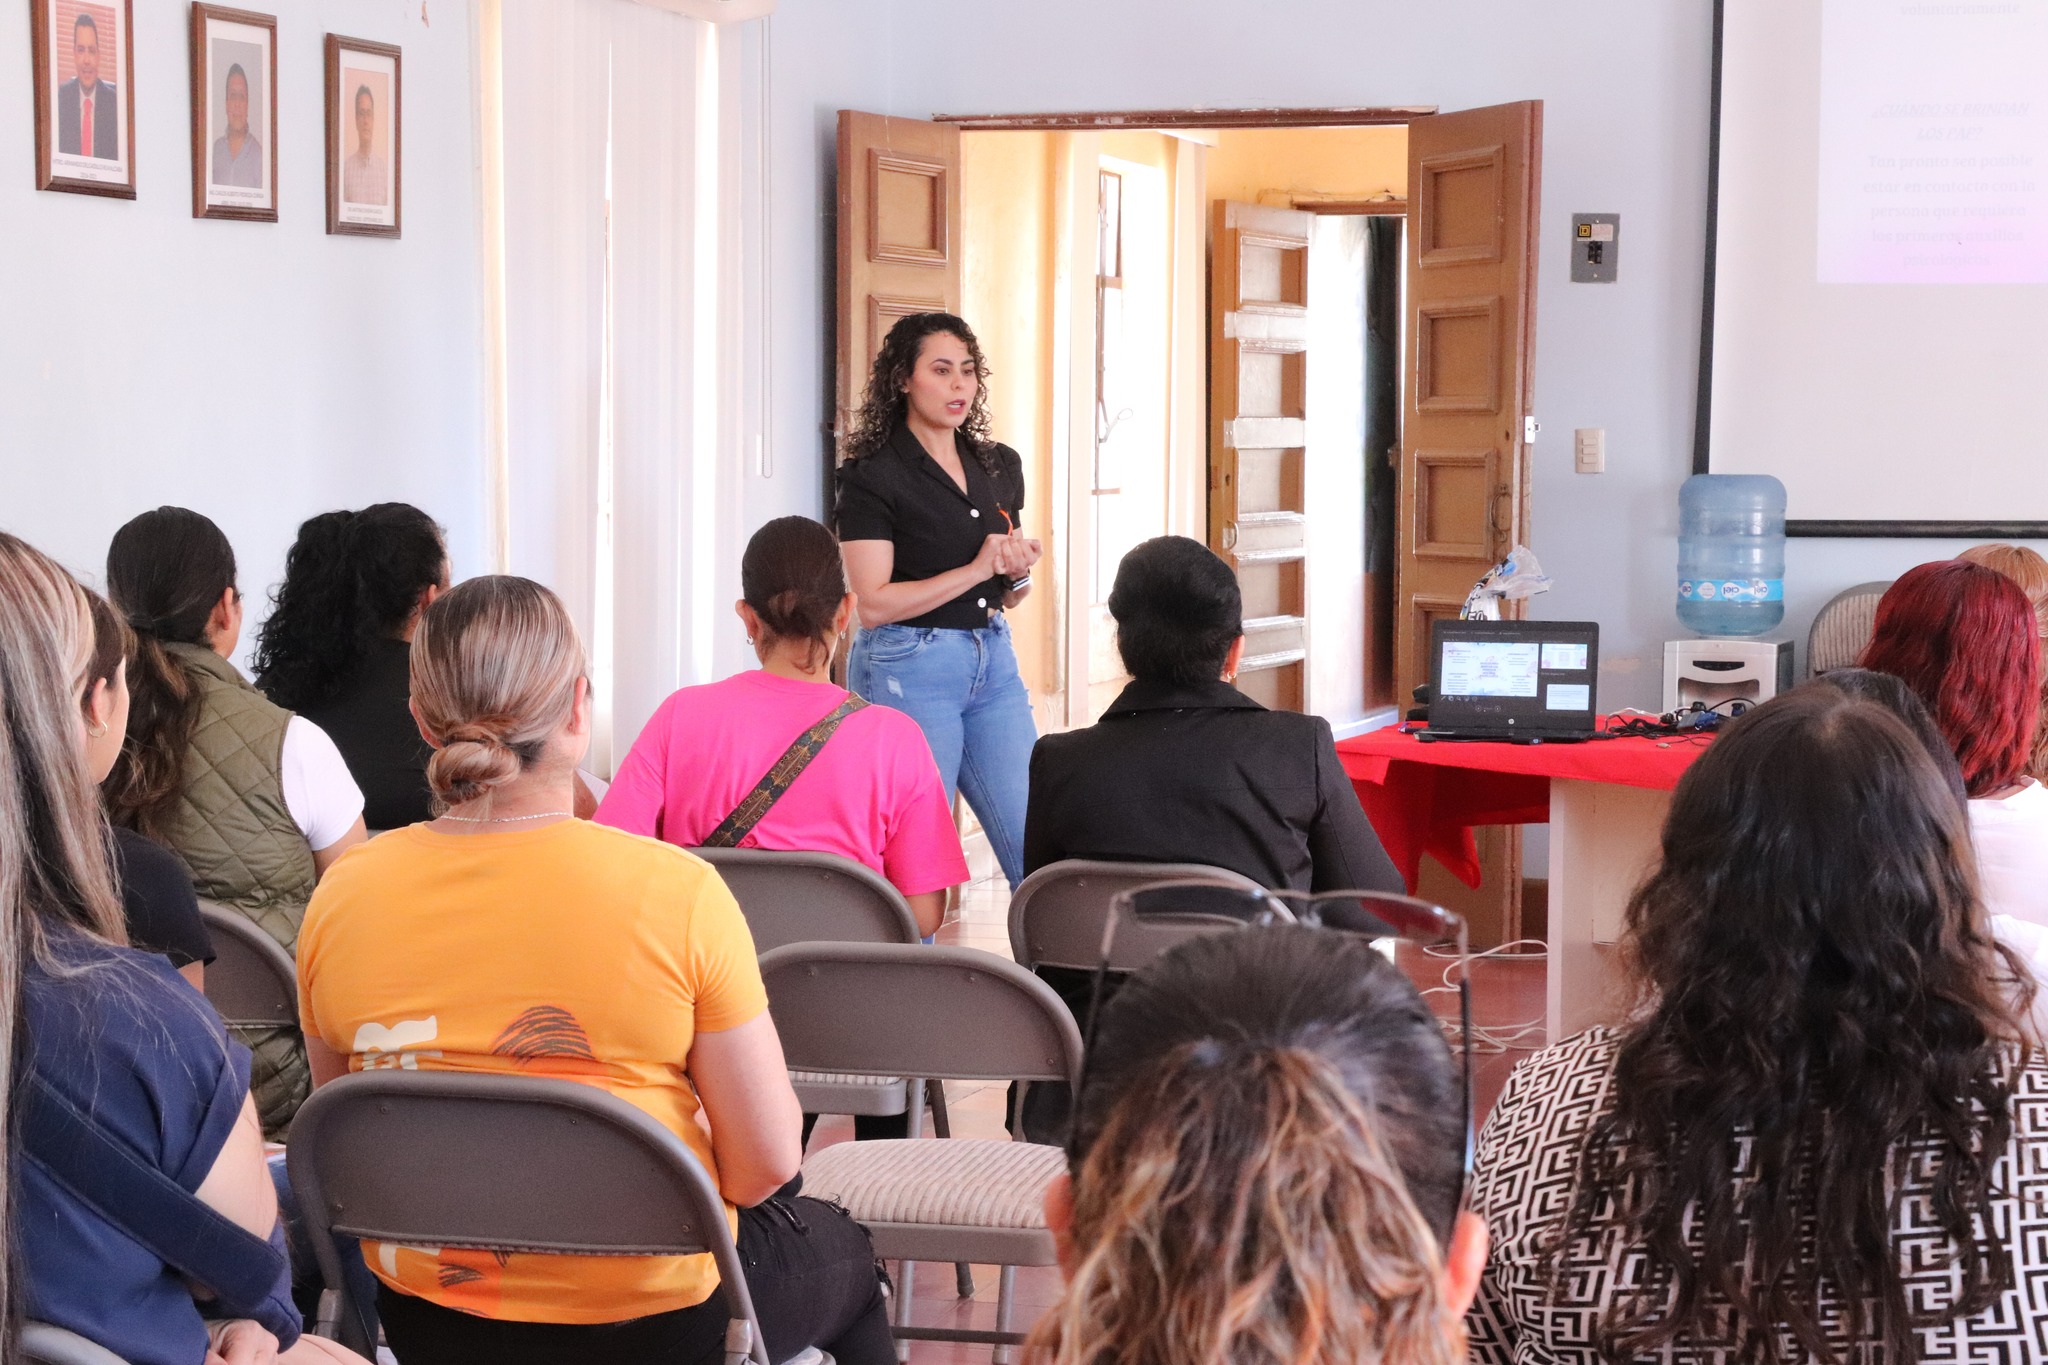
(962, 689)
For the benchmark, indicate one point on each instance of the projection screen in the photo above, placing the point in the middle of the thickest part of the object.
(1878, 334)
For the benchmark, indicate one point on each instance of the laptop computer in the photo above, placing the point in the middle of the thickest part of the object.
(1530, 681)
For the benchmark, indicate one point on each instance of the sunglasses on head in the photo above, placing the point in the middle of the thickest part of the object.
(1196, 905)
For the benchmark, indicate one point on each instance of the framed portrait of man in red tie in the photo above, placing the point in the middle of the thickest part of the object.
(84, 58)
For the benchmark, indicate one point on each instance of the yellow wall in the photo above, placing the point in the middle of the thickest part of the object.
(1271, 165)
(1006, 200)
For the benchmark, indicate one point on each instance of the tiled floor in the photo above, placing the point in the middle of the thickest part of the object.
(1507, 1001)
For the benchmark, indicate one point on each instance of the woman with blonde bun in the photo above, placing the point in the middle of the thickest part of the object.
(587, 954)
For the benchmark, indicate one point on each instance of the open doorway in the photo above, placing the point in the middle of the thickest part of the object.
(1154, 385)
(1087, 269)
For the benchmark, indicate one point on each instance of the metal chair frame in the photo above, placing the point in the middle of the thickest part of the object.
(504, 1163)
(957, 1013)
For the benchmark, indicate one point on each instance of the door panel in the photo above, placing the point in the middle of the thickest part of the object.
(1464, 470)
(1258, 512)
(899, 237)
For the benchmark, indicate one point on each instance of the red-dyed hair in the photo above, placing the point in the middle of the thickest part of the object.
(1963, 637)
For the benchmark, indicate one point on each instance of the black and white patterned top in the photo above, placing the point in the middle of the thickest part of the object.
(1528, 1160)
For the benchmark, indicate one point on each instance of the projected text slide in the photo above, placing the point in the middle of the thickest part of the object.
(1489, 668)
(1933, 142)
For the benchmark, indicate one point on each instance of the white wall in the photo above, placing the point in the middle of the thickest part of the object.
(1625, 130)
(824, 56)
(256, 372)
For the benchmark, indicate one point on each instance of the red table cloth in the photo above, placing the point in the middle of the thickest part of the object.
(1425, 798)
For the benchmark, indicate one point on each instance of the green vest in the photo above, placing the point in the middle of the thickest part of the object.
(235, 834)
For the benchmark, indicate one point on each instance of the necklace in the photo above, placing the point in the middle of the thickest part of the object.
(509, 819)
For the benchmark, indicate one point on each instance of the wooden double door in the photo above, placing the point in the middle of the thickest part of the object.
(1462, 462)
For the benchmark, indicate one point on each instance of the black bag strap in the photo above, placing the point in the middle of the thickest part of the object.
(244, 1271)
(779, 777)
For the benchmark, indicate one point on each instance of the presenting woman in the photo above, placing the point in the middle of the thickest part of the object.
(930, 520)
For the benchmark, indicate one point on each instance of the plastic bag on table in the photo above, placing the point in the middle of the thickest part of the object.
(1518, 576)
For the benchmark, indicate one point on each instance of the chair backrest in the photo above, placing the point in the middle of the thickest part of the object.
(512, 1163)
(252, 979)
(811, 897)
(908, 1010)
(1057, 913)
(42, 1344)
(1842, 628)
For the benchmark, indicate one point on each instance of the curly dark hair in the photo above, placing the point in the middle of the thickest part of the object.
(351, 579)
(882, 408)
(1822, 998)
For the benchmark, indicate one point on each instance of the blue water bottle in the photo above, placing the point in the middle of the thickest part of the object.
(1731, 553)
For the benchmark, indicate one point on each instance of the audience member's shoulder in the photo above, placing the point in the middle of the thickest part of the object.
(887, 726)
(1568, 1076)
(143, 857)
(639, 854)
(97, 978)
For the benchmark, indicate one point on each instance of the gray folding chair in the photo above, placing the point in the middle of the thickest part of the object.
(1843, 627)
(42, 1344)
(792, 897)
(504, 1163)
(1057, 914)
(957, 1013)
(252, 980)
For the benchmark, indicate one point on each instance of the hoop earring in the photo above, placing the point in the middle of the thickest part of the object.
(97, 730)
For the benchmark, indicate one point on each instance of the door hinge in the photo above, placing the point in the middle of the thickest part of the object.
(1530, 426)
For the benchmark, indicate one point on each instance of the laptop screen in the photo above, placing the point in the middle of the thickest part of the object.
(1514, 676)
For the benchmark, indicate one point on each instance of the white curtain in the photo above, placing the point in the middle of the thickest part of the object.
(630, 362)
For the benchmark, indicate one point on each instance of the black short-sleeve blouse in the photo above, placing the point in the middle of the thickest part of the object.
(900, 494)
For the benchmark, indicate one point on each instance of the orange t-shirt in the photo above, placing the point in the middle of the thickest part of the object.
(571, 951)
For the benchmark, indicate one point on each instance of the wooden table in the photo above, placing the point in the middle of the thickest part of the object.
(1605, 803)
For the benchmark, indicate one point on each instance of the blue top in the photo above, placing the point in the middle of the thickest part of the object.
(125, 1038)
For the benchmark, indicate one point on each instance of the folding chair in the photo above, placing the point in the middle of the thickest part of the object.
(793, 897)
(42, 1344)
(1058, 913)
(252, 980)
(1842, 628)
(505, 1163)
(957, 1013)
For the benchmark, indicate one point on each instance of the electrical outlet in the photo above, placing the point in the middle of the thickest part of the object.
(1589, 450)
(1596, 248)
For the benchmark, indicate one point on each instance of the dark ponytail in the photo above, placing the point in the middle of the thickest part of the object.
(166, 570)
(793, 578)
(350, 580)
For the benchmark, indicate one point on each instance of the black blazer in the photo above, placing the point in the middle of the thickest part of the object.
(106, 108)
(1204, 775)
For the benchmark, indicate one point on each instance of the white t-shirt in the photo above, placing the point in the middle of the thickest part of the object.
(2011, 835)
(323, 798)
(2030, 941)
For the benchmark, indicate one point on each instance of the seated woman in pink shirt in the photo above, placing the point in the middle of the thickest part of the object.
(872, 793)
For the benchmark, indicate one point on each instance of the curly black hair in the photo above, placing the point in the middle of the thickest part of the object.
(351, 579)
(882, 408)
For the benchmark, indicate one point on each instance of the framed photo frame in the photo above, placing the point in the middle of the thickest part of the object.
(83, 52)
(234, 114)
(365, 137)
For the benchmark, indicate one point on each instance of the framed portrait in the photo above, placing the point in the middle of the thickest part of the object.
(365, 137)
(234, 114)
(84, 57)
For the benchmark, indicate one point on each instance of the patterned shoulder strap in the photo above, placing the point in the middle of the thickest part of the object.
(780, 775)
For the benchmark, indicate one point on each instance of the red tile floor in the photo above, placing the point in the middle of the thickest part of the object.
(1507, 1002)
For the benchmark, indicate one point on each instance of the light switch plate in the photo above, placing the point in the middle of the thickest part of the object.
(1589, 450)
(1596, 247)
